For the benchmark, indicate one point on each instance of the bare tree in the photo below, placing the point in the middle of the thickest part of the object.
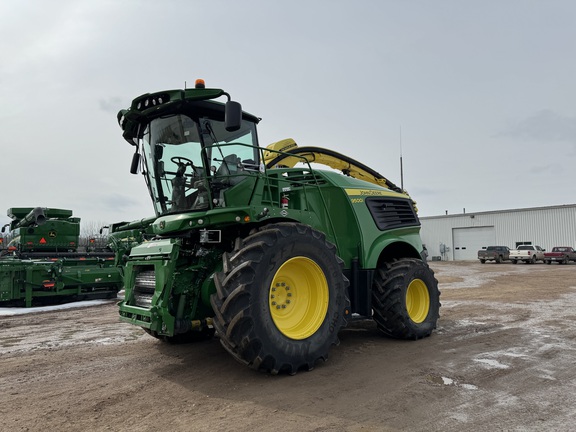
(93, 235)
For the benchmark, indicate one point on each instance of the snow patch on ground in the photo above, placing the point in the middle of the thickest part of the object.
(10, 311)
(473, 277)
(491, 363)
(536, 322)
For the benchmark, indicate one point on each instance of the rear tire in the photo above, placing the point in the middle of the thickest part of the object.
(483, 261)
(281, 298)
(405, 299)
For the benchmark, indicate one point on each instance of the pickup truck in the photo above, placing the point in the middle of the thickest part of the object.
(560, 254)
(494, 253)
(527, 253)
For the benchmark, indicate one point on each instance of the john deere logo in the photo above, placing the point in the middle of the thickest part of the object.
(52, 234)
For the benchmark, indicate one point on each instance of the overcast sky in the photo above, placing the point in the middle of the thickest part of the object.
(479, 96)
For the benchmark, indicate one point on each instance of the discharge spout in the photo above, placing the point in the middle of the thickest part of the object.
(35, 217)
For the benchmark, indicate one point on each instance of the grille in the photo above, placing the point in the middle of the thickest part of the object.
(144, 287)
(391, 213)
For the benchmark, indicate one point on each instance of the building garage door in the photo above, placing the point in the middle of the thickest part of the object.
(468, 241)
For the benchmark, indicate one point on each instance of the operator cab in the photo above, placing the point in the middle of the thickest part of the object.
(190, 159)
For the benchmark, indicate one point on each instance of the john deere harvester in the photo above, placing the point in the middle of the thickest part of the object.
(40, 260)
(259, 244)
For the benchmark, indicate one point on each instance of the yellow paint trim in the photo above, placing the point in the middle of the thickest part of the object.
(373, 192)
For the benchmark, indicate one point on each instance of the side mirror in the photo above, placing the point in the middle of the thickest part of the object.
(135, 163)
(232, 116)
(121, 118)
(130, 128)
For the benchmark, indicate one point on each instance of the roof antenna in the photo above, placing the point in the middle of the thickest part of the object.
(401, 168)
(184, 85)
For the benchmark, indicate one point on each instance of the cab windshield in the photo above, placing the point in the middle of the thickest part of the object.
(189, 161)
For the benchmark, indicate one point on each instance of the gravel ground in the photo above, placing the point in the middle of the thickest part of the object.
(502, 359)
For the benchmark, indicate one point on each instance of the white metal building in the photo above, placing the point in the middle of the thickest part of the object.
(459, 237)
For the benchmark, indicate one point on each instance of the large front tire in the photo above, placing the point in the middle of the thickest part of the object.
(405, 299)
(281, 298)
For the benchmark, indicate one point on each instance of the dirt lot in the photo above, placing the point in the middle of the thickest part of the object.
(502, 359)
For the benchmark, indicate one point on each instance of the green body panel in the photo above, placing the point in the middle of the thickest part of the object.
(18, 213)
(181, 286)
(47, 230)
(52, 236)
(171, 259)
(26, 280)
(177, 275)
(41, 260)
(354, 218)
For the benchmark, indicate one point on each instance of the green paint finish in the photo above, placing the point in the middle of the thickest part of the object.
(209, 187)
(26, 280)
(41, 260)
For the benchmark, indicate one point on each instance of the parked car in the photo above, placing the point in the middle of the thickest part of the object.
(561, 255)
(527, 253)
(494, 253)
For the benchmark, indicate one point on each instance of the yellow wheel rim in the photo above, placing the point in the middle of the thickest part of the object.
(298, 298)
(417, 301)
